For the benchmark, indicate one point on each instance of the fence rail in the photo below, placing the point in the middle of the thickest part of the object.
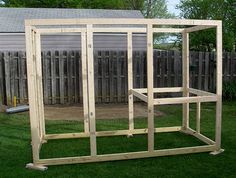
(62, 74)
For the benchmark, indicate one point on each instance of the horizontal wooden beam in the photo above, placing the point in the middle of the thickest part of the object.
(139, 95)
(107, 30)
(125, 156)
(110, 133)
(120, 30)
(180, 100)
(59, 30)
(125, 21)
(160, 90)
(168, 30)
(200, 92)
(96, 30)
(197, 28)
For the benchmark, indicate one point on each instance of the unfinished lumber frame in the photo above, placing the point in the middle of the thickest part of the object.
(86, 28)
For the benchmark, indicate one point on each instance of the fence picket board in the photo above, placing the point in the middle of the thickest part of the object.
(12, 75)
(119, 77)
(61, 75)
(69, 77)
(53, 77)
(233, 66)
(79, 77)
(7, 78)
(21, 77)
(200, 55)
(176, 61)
(206, 75)
(103, 75)
(111, 91)
(44, 63)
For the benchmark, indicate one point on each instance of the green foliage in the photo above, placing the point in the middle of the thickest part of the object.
(150, 8)
(229, 90)
(41, 3)
(156, 9)
(215, 10)
(98, 4)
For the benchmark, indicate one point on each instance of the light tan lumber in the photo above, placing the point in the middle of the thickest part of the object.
(36, 167)
(84, 80)
(39, 79)
(34, 124)
(127, 21)
(111, 133)
(110, 30)
(150, 88)
(91, 102)
(59, 30)
(95, 30)
(199, 136)
(130, 80)
(200, 92)
(160, 90)
(179, 100)
(218, 85)
(36, 84)
(120, 30)
(168, 30)
(125, 156)
(214, 153)
(198, 117)
(197, 28)
(139, 95)
(185, 77)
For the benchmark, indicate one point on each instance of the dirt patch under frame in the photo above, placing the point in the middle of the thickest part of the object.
(103, 111)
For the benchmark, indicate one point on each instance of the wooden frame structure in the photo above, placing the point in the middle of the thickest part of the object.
(35, 28)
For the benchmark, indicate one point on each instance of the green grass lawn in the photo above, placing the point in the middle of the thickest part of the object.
(15, 149)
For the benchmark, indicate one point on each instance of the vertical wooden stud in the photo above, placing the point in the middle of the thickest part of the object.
(218, 85)
(185, 78)
(39, 79)
(84, 80)
(150, 88)
(130, 81)
(91, 103)
(32, 94)
(198, 117)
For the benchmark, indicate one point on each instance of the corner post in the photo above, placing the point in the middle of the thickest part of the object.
(218, 86)
(84, 81)
(39, 79)
(150, 94)
(185, 78)
(32, 88)
(130, 81)
(91, 102)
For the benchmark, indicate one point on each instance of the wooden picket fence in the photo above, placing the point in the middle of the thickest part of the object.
(62, 74)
